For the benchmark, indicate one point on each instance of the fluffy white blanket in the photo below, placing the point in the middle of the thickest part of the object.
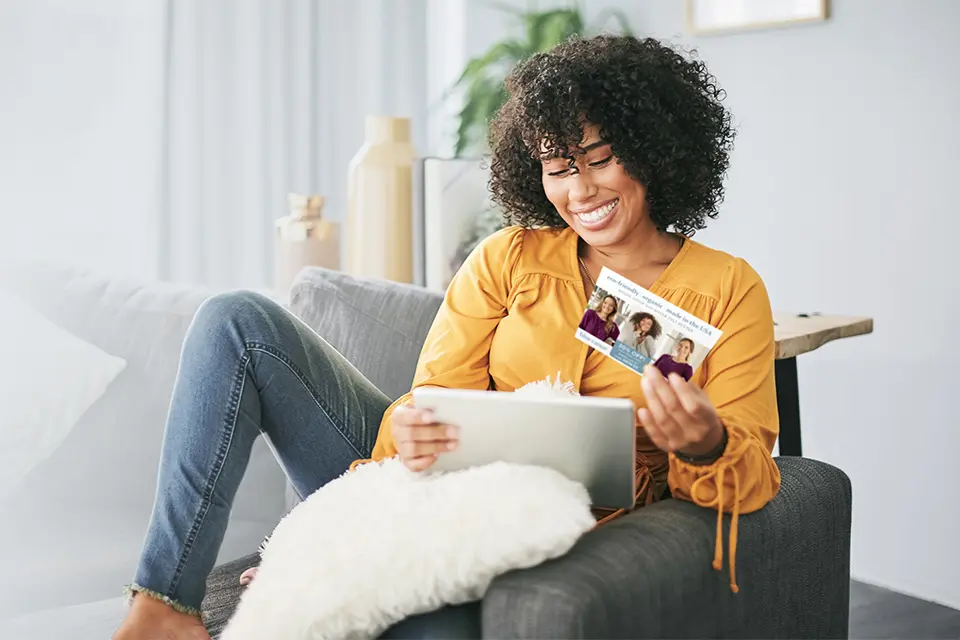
(382, 543)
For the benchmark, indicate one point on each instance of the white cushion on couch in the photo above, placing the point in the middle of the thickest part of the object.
(49, 378)
(75, 526)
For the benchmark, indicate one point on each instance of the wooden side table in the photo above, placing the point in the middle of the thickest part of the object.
(796, 334)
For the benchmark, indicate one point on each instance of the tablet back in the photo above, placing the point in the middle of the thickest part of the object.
(588, 439)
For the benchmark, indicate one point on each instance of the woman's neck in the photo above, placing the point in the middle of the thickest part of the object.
(642, 258)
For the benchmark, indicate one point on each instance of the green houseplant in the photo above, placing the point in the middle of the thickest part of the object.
(482, 87)
(482, 80)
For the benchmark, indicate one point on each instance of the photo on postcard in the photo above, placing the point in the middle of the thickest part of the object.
(641, 339)
(679, 353)
(637, 328)
(600, 324)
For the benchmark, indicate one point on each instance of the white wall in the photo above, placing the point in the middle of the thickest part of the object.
(843, 195)
(80, 131)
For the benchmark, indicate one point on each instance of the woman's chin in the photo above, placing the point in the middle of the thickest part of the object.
(608, 234)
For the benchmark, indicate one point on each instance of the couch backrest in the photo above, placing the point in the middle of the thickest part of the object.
(378, 326)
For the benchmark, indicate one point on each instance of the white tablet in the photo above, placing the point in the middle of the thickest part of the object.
(588, 439)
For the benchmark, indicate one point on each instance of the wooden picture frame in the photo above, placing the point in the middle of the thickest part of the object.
(709, 17)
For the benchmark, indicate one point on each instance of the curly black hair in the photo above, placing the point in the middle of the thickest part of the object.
(660, 111)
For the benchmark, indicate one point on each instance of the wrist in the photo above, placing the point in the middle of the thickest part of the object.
(709, 451)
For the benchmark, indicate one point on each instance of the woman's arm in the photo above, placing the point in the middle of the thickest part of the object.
(644, 347)
(587, 317)
(740, 385)
(740, 396)
(457, 348)
(614, 332)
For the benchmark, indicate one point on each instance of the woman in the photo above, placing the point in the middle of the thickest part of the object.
(643, 334)
(609, 152)
(678, 364)
(600, 322)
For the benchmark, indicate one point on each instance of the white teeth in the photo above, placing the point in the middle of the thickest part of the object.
(598, 214)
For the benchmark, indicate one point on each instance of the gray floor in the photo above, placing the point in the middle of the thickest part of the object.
(877, 613)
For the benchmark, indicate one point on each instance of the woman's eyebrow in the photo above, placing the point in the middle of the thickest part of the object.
(595, 145)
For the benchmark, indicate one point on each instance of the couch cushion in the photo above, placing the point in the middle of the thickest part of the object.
(75, 526)
(379, 326)
(113, 451)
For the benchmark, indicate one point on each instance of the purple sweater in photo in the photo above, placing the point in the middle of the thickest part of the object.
(668, 365)
(595, 326)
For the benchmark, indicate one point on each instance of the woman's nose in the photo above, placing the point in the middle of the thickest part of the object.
(582, 188)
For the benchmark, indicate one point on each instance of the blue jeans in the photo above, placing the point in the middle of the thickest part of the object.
(249, 367)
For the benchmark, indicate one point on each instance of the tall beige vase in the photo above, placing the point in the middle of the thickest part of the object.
(379, 205)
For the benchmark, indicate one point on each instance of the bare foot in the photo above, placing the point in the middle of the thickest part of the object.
(150, 619)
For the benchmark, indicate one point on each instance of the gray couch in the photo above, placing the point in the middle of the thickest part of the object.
(647, 575)
(81, 516)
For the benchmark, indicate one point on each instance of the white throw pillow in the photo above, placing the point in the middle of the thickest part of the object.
(48, 379)
(382, 543)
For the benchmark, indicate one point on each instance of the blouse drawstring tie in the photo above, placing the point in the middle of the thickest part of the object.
(717, 473)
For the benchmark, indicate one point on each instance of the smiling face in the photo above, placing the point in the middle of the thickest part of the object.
(594, 194)
(684, 349)
(645, 325)
(607, 308)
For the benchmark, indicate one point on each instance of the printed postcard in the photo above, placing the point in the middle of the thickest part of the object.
(635, 327)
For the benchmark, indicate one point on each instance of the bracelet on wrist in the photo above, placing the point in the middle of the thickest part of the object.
(706, 458)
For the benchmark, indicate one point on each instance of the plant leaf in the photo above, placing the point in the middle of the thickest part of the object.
(496, 63)
(483, 99)
(547, 28)
(482, 80)
(559, 27)
(508, 51)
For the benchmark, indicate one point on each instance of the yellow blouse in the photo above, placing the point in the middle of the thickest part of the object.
(509, 317)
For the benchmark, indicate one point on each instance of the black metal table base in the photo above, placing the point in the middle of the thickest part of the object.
(788, 405)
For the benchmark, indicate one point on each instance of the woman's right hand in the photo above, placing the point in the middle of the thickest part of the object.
(419, 438)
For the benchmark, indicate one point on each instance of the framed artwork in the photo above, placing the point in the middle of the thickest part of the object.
(707, 17)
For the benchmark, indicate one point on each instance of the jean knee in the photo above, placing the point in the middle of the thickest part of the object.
(236, 317)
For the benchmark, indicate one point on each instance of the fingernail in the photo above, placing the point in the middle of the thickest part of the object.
(452, 445)
(453, 432)
(428, 416)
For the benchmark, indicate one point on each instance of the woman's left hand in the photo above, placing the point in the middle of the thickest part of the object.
(679, 416)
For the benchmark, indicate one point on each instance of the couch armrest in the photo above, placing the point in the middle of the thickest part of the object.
(649, 574)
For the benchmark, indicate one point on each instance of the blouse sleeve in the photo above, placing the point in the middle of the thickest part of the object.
(644, 347)
(587, 315)
(739, 380)
(456, 353)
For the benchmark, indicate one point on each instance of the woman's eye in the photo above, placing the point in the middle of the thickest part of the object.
(559, 173)
(600, 163)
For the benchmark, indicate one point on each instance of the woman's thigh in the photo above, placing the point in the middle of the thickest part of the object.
(317, 410)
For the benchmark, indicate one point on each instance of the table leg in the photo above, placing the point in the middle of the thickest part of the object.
(788, 405)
